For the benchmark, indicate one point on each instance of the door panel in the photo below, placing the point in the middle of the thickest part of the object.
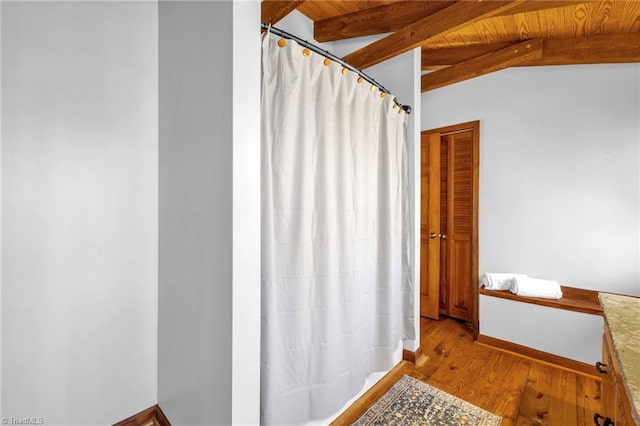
(460, 289)
(444, 201)
(429, 226)
(460, 208)
(424, 230)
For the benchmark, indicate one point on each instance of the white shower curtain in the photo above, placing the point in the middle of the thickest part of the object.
(336, 288)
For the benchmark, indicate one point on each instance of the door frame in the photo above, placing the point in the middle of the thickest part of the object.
(475, 126)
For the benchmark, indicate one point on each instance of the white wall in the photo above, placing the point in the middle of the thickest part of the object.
(209, 283)
(80, 193)
(79, 210)
(572, 335)
(246, 213)
(301, 26)
(559, 166)
(195, 212)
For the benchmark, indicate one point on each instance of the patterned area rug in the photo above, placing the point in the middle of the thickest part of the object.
(412, 402)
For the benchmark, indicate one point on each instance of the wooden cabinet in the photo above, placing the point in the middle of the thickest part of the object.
(616, 408)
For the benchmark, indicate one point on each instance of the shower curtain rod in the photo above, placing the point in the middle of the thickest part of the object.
(327, 54)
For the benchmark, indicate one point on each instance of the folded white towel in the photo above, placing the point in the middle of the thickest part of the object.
(534, 287)
(501, 281)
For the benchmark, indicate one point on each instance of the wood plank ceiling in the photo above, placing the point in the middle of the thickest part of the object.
(467, 38)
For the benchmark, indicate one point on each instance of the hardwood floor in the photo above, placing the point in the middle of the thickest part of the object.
(524, 392)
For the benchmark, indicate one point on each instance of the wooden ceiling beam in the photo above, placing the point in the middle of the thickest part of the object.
(395, 16)
(274, 10)
(538, 5)
(378, 20)
(597, 49)
(437, 57)
(458, 15)
(493, 61)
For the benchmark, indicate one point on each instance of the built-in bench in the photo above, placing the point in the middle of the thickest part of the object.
(565, 332)
(573, 299)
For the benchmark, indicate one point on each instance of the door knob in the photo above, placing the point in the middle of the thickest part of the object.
(433, 235)
(443, 236)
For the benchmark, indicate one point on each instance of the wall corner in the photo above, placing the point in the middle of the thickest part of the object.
(246, 214)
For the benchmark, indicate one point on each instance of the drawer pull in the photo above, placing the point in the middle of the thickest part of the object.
(602, 368)
(607, 421)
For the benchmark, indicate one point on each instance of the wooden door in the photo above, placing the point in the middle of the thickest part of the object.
(460, 225)
(449, 203)
(429, 225)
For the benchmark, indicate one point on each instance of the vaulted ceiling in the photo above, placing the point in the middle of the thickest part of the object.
(467, 38)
